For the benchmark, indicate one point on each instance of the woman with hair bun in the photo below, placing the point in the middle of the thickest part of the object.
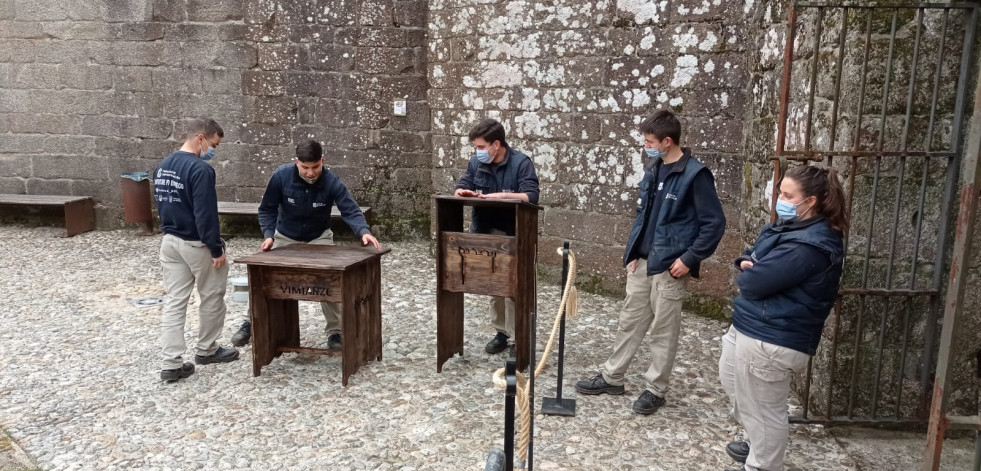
(788, 283)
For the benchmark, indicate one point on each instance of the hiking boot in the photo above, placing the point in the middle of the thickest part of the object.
(243, 335)
(598, 385)
(497, 344)
(738, 451)
(171, 376)
(648, 403)
(334, 342)
(222, 355)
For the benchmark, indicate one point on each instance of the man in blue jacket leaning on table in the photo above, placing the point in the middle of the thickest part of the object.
(296, 209)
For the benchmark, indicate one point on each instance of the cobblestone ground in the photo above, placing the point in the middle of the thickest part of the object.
(80, 389)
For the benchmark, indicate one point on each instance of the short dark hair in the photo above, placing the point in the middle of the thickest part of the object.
(661, 124)
(489, 130)
(205, 126)
(309, 151)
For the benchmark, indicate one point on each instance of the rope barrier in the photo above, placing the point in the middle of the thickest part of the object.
(568, 306)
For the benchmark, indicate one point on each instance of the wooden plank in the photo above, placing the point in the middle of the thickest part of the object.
(40, 200)
(499, 203)
(233, 208)
(310, 350)
(79, 216)
(259, 315)
(312, 256)
(478, 263)
(449, 305)
(525, 301)
(303, 285)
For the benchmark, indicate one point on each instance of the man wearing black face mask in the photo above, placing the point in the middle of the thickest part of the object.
(497, 171)
(191, 251)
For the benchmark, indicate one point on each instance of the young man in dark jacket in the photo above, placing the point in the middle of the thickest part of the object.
(296, 208)
(679, 223)
(497, 171)
(191, 251)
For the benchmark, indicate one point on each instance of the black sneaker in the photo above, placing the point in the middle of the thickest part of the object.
(648, 403)
(243, 335)
(598, 385)
(222, 355)
(334, 342)
(738, 451)
(171, 376)
(497, 344)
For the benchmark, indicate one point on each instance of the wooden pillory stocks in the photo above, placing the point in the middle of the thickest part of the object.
(493, 265)
(326, 273)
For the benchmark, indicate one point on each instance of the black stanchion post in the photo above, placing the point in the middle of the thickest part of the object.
(510, 374)
(531, 391)
(558, 405)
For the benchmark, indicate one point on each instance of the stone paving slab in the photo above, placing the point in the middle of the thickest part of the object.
(80, 389)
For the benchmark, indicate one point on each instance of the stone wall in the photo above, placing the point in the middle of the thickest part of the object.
(90, 89)
(571, 81)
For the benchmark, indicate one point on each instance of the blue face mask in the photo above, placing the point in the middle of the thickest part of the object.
(483, 156)
(787, 210)
(653, 153)
(207, 154)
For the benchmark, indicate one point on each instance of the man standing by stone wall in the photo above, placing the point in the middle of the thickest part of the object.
(296, 208)
(497, 171)
(679, 223)
(192, 251)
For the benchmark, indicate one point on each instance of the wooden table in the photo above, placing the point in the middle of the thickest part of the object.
(324, 273)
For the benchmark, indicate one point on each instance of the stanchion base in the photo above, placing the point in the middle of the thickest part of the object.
(555, 406)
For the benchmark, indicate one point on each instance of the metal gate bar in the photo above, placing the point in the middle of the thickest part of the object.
(884, 305)
(953, 313)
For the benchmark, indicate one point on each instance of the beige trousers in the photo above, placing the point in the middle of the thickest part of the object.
(756, 376)
(183, 264)
(652, 302)
(332, 311)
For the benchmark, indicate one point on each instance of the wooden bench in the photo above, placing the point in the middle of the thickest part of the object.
(79, 210)
(252, 209)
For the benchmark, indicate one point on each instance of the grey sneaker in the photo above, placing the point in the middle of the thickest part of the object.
(171, 376)
(222, 355)
(243, 335)
(648, 403)
(598, 385)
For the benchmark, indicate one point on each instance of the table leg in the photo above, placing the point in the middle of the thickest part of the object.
(449, 326)
(374, 310)
(259, 314)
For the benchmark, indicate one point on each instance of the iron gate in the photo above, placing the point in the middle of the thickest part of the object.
(882, 100)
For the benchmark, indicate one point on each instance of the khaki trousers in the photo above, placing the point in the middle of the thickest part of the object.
(332, 311)
(756, 376)
(650, 300)
(183, 264)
